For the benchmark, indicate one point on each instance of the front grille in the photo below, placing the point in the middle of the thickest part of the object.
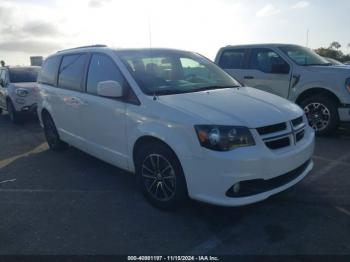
(272, 129)
(279, 143)
(282, 135)
(257, 186)
(299, 136)
(298, 121)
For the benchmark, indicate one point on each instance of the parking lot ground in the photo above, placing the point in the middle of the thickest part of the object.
(71, 203)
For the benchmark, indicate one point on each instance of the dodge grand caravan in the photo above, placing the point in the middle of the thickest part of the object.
(296, 73)
(178, 121)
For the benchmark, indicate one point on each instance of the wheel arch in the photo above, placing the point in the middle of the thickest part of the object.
(317, 91)
(149, 139)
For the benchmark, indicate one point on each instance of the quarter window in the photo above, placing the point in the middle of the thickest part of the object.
(102, 68)
(232, 59)
(268, 61)
(72, 71)
(49, 71)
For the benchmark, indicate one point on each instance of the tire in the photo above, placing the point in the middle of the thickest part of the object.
(51, 134)
(14, 116)
(322, 113)
(166, 190)
(0, 111)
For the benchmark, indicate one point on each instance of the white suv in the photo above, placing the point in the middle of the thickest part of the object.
(296, 73)
(18, 91)
(183, 125)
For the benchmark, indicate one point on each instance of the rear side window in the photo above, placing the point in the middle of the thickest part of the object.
(102, 68)
(233, 59)
(49, 71)
(72, 71)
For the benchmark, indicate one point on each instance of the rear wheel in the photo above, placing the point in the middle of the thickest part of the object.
(322, 114)
(14, 116)
(161, 176)
(51, 134)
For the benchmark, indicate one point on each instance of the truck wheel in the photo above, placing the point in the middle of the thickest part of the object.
(322, 114)
(51, 134)
(161, 177)
(14, 117)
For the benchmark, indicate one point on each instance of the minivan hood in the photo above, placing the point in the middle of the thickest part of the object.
(242, 106)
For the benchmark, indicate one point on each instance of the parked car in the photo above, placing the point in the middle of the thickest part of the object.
(347, 63)
(296, 73)
(18, 91)
(178, 121)
(334, 61)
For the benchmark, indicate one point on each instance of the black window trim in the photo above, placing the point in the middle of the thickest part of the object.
(250, 55)
(128, 88)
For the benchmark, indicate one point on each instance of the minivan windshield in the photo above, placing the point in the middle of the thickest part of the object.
(166, 72)
(304, 56)
(23, 75)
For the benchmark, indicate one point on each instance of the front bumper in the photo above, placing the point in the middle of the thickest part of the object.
(344, 113)
(31, 109)
(210, 177)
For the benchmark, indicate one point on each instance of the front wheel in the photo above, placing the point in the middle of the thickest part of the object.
(161, 176)
(51, 134)
(322, 114)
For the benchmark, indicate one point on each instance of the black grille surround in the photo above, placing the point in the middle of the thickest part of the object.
(282, 135)
(258, 186)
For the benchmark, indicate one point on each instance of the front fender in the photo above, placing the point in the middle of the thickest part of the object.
(180, 139)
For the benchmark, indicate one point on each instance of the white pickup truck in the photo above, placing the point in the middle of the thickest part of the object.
(296, 73)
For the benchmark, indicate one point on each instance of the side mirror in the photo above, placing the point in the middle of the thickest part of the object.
(111, 89)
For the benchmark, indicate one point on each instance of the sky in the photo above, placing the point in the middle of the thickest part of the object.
(42, 27)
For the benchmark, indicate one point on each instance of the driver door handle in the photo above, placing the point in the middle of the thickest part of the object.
(248, 77)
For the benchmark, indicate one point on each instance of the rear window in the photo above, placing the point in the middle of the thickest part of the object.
(49, 71)
(232, 59)
(72, 71)
(23, 75)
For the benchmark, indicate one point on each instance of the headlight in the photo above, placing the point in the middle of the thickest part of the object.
(224, 138)
(347, 84)
(22, 92)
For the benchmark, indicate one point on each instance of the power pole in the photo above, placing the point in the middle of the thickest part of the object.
(307, 38)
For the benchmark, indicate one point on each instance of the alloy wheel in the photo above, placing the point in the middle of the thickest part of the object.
(318, 115)
(159, 177)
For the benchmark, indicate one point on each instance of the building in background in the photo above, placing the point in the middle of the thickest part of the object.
(36, 60)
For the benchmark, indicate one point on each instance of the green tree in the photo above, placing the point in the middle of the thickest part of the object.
(329, 52)
(335, 45)
(2, 63)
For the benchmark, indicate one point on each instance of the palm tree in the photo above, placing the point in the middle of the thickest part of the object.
(335, 44)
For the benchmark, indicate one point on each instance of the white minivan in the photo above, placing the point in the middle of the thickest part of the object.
(178, 121)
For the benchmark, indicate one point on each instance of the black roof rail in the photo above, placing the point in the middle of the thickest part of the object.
(80, 47)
